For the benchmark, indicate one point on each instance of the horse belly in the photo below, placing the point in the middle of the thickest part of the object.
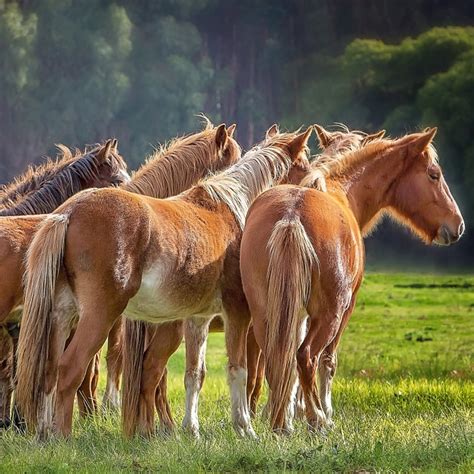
(158, 300)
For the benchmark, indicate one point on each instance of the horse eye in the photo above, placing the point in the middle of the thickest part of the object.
(434, 176)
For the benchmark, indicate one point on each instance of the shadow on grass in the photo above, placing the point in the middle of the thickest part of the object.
(464, 285)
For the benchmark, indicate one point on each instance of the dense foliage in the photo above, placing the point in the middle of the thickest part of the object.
(77, 71)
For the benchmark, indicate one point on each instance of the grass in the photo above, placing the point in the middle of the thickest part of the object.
(403, 397)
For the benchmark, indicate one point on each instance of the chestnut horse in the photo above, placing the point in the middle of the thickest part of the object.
(40, 190)
(168, 337)
(302, 253)
(337, 142)
(171, 170)
(161, 259)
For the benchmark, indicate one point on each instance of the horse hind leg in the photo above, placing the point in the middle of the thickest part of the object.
(326, 371)
(255, 369)
(162, 405)
(6, 381)
(236, 329)
(111, 400)
(324, 325)
(91, 332)
(328, 365)
(163, 340)
(87, 393)
(57, 342)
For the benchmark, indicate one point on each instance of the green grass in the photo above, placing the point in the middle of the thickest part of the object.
(403, 398)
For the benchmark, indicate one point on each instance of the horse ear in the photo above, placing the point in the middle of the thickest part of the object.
(324, 136)
(114, 145)
(231, 130)
(372, 137)
(221, 136)
(272, 131)
(300, 141)
(104, 151)
(421, 141)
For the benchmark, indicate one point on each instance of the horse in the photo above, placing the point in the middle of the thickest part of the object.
(40, 190)
(302, 254)
(170, 335)
(105, 251)
(170, 170)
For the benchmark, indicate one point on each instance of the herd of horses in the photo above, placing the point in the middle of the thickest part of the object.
(267, 246)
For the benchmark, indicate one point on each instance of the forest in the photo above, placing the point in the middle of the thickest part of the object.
(79, 71)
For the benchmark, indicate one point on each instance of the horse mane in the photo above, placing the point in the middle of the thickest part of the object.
(176, 166)
(350, 157)
(35, 176)
(346, 142)
(41, 189)
(256, 172)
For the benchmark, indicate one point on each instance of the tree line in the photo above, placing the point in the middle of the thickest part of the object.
(78, 71)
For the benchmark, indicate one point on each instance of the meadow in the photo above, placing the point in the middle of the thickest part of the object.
(403, 399)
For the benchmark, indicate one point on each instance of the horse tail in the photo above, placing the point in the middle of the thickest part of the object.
(43, 263)
(291, 261)
(134, 353)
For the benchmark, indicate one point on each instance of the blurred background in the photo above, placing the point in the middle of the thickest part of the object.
(79, 71)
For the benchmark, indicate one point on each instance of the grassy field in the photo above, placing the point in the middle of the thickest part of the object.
(403, 396)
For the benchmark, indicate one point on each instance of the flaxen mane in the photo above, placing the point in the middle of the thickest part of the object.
(345, 146)
(177, 166)
(257, 171)
(40, 190)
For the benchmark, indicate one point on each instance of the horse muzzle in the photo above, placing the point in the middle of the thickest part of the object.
(445, 236)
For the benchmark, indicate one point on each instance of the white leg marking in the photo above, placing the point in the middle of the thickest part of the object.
(240, 409)
(46, 416)
(196, 343)
(111, 398)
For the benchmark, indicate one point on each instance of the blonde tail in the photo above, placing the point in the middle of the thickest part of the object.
(292, 259)
(44, 259)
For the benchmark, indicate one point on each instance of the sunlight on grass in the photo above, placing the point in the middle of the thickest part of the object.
(401, 402)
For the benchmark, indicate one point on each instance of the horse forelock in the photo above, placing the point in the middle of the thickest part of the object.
(177, 165)
(42, 189)
(259, 169)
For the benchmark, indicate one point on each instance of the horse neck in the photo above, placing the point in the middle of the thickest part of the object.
(50, 194)
(171, 174)
(31, 181)
(367, 190)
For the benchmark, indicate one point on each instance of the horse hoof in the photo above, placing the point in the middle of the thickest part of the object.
(167, 430)
(192, 430)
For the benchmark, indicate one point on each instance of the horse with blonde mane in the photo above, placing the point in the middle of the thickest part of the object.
(172, 169)
(302, 254)
(167, 337)
(38, 191)
(105, 251)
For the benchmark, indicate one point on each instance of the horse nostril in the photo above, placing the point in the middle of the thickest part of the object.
(461, 229)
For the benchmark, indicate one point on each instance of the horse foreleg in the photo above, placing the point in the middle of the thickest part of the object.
(195, 335)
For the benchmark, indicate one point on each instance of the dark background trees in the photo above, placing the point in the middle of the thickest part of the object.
(78, 71)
